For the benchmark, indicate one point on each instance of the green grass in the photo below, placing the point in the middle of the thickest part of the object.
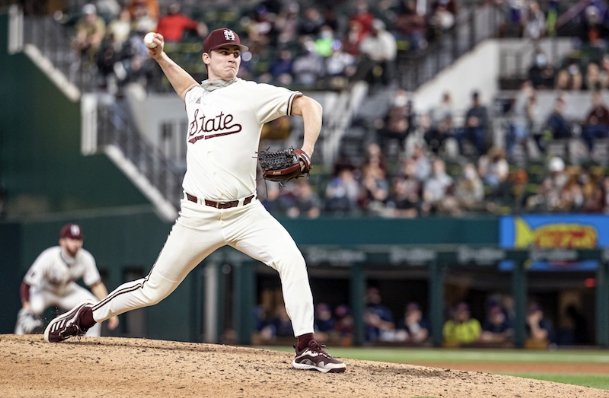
(430, 355)
(406, 355)
(585, 380)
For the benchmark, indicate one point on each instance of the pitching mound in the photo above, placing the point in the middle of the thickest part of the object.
(119, 367)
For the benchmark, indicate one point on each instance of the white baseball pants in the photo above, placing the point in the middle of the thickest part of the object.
(200, 230)
(72, 296)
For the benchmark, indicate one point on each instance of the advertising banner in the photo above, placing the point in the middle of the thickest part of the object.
(565, 233)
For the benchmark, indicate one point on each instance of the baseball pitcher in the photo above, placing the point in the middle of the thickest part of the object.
(219, 206)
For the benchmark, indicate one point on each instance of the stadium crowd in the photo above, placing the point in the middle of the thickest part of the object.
(447, 162)
(410, 326)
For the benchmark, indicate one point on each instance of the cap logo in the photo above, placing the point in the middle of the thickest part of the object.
(74, 230)
(229, 35)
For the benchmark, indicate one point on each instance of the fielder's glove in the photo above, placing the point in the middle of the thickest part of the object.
(28, 323)
(284, 165)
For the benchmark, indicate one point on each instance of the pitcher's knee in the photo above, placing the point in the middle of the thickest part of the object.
(155, 295)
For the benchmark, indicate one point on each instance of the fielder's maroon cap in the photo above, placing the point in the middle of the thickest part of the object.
(72, 231)
(222, 37)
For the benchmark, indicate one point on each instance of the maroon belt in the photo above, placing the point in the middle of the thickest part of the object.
(219, 205)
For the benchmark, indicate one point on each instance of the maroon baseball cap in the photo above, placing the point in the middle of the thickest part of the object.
(72, 231)
(222, 37)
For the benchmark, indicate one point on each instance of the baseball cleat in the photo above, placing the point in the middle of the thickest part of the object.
(314, 357)
(66, 325)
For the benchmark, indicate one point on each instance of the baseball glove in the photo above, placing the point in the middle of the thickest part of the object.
(28, 323)
(283, 166)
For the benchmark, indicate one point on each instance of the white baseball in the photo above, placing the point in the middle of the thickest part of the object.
(149, 40)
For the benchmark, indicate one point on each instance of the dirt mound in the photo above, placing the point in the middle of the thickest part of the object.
(120, 367)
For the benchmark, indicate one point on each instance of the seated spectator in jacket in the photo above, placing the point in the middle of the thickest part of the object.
(325, 324)
(469, 191)
(570, 77)
(175, 24)
(557, 127)
(378, 318)
(539, 329)
(344, 324)
(496, 329)
(405, 195)
(476, 128)
(438, 190)
(541, 73)
(412, 327)
(461, 329)
(306, 202)
(397, 123)
(342, 191)
(378, 51)
(596, 124)
(90, 31)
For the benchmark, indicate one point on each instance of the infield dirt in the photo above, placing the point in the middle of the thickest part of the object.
(120, 367)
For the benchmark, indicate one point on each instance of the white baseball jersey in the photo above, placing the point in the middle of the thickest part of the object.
(54, 272)
(223, 138)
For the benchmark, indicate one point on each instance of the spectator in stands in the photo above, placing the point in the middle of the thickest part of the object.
(461, 329)
(306, 202)
(422, 162)
(437, 134)
(397, 123)
(469, 191)
(570, 77)
(444, 110)
(496, 329)
(120, 29)
(374, 154)
(362, 16)
(539, 329)
(378, 51)
(308, 67)
(541, 73)
(378, 319)
(325, 324)
(311, 22)
(174, 24)
(438, 191)
(412, 328)
(90, 31)
(141, 8)
(344, 324)
(405, 195)
(596, 124)
(476, 125)
(442, 16)
(280, 323)
(592, 190)
(548, 196)
(534, 21)
(410, 27)
(604, 72)
(556, 127)
(523, 119)
(342, 191)
(595, 24)
(109, 10)
(353, 38)
(286, 23)
(493, 167)
(324, 42)
(593, 77)
(281, 68)
(340, 67)
(374, 188)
